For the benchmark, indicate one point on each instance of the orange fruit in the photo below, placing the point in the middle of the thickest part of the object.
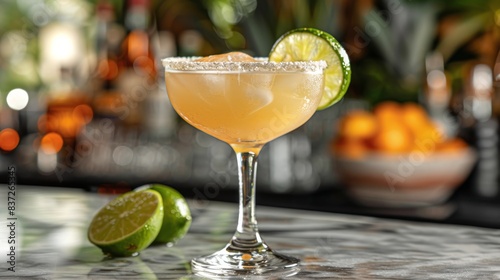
(393, 138)
(414, 116)
(358, 125)
(391, 128)
(429, 133)
(388, 112)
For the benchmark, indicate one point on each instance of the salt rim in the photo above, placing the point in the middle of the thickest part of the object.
(173, 64)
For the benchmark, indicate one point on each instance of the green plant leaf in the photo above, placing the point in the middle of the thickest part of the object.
(461, 34)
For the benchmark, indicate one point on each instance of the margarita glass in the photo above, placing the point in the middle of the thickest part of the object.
(245, 104)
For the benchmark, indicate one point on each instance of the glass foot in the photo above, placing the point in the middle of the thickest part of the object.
(228, 263)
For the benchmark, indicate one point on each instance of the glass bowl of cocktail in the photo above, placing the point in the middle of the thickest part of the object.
(247, 102)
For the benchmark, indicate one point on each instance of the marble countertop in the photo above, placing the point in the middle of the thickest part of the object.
(50, 242)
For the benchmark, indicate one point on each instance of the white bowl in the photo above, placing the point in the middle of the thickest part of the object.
(405, 180)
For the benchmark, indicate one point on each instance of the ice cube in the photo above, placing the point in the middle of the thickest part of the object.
(258, 98)
(257, 91)
(228, 57)
(213, 85)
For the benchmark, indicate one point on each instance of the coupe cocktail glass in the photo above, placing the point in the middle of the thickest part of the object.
(245, 104)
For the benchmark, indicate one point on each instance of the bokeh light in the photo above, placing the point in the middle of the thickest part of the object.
(65, 119)
(108, 69)
(9, 139)
(123, 155)
(51, 143)
(83, 114)
(17, 99)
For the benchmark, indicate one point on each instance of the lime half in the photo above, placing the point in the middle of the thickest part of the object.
(176, 216)
(128, 224)
(306, 44)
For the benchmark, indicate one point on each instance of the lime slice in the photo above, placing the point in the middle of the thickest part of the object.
(128, 224)
(306, 44)
(176, 216)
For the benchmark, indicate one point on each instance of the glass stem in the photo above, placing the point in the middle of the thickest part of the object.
(247, 237)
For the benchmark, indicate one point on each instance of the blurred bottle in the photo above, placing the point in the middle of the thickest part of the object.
(437, 94)
(67, 113)
(94, 144)
(131, 91)
(160, 118)
(146, 104)
(496, 93)
(137, 63)
(107, 97)
(67, 106)
(479, 104)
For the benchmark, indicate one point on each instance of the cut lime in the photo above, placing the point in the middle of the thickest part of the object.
(176, 216)
(306, 44)
(128, 224)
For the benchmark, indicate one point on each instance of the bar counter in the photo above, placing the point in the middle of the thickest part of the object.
(50, 224)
